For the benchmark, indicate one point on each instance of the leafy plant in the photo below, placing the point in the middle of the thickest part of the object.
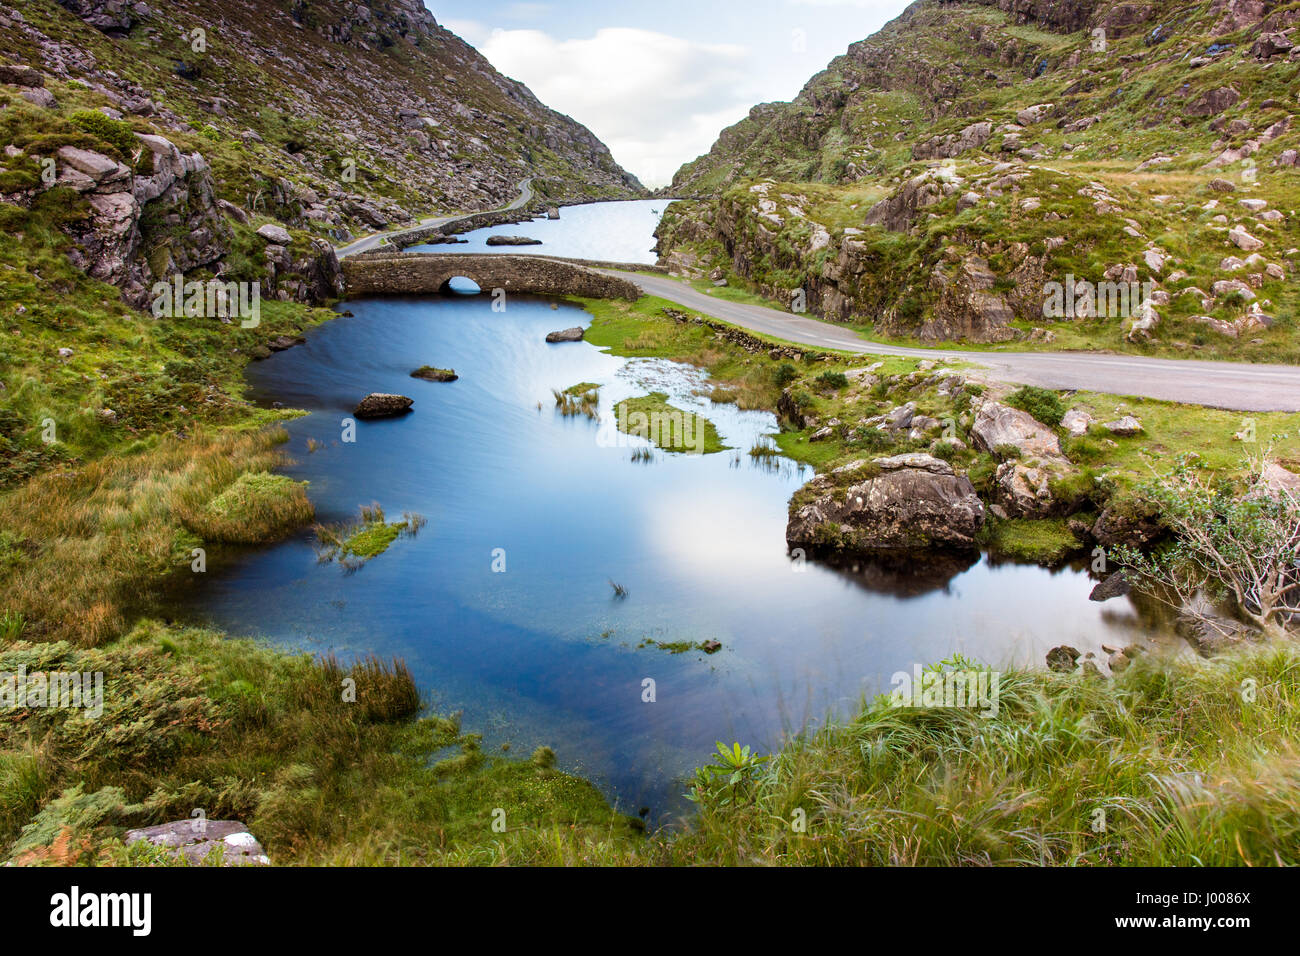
(1228, 546)
(729, 778)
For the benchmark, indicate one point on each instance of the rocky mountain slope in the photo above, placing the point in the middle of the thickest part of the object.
(961, 173)
(237, 140)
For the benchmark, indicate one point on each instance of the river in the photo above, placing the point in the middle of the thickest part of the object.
(543, 652)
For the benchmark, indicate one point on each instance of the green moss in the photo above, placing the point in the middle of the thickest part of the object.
(1043, 540)
(666, 426)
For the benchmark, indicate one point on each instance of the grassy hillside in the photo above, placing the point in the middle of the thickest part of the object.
(931, 182)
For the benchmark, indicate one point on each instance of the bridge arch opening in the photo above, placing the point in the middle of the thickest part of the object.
(460, 285)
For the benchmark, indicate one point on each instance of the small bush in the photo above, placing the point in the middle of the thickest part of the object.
(785, 374)
(1042, 403)
(115, 133)
(832, 381)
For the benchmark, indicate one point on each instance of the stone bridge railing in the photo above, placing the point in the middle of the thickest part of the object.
(415, 273)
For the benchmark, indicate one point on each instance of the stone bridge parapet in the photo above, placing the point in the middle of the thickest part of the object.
(417, 273)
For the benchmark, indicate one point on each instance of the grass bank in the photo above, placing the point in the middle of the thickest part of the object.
(1171, 763)
(194, 720)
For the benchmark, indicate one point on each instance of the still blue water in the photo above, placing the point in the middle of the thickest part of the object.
(543, 652)
(611, 231)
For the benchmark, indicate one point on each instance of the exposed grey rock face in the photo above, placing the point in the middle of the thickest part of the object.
(383, 405)
(1023, 483)
(968, 306)
(574, 334)
(1114, 527)
(999, 425)
(954, 144)
(899, 212)
(904, 503)
(114, 17)
(513, 241)
(198, 841)
(275, 234)
(119, 243)
(1213, 102)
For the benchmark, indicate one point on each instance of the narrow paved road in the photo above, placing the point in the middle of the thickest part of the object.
(369, 242)
(1237, 386)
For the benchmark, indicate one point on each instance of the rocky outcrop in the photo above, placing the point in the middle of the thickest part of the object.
(113, 17)
(954, 144)
(383, 405)
(143, 227)
(200, 842)
(967, 306)
(904, 503)
(1000, 426)
(574, 334)
(899, 212)
(1023, 482)
(513, 241)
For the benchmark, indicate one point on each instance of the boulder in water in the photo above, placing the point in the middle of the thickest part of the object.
(383, 405)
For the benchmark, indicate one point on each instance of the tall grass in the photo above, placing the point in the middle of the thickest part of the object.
(1187, 762)
(320, 771)
(94, 537)
(582, 399)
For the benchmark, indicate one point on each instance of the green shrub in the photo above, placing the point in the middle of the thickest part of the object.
(1042, 403)
(785, 374)
(832, 381)
(115, 133)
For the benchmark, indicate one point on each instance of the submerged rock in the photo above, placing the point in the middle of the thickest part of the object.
(1116, 585)
(1211, 633)
(431, 374)
(1062, 659)
(282, 342)
(905, 503)
(383, 405)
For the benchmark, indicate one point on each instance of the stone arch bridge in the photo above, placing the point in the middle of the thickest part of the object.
(416, 273)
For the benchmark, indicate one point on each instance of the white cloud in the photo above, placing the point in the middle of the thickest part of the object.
(471, 31)
(656, 100)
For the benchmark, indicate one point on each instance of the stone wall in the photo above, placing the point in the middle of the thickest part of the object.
(415, 273)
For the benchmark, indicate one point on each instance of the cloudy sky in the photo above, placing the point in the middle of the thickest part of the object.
(657, 80)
